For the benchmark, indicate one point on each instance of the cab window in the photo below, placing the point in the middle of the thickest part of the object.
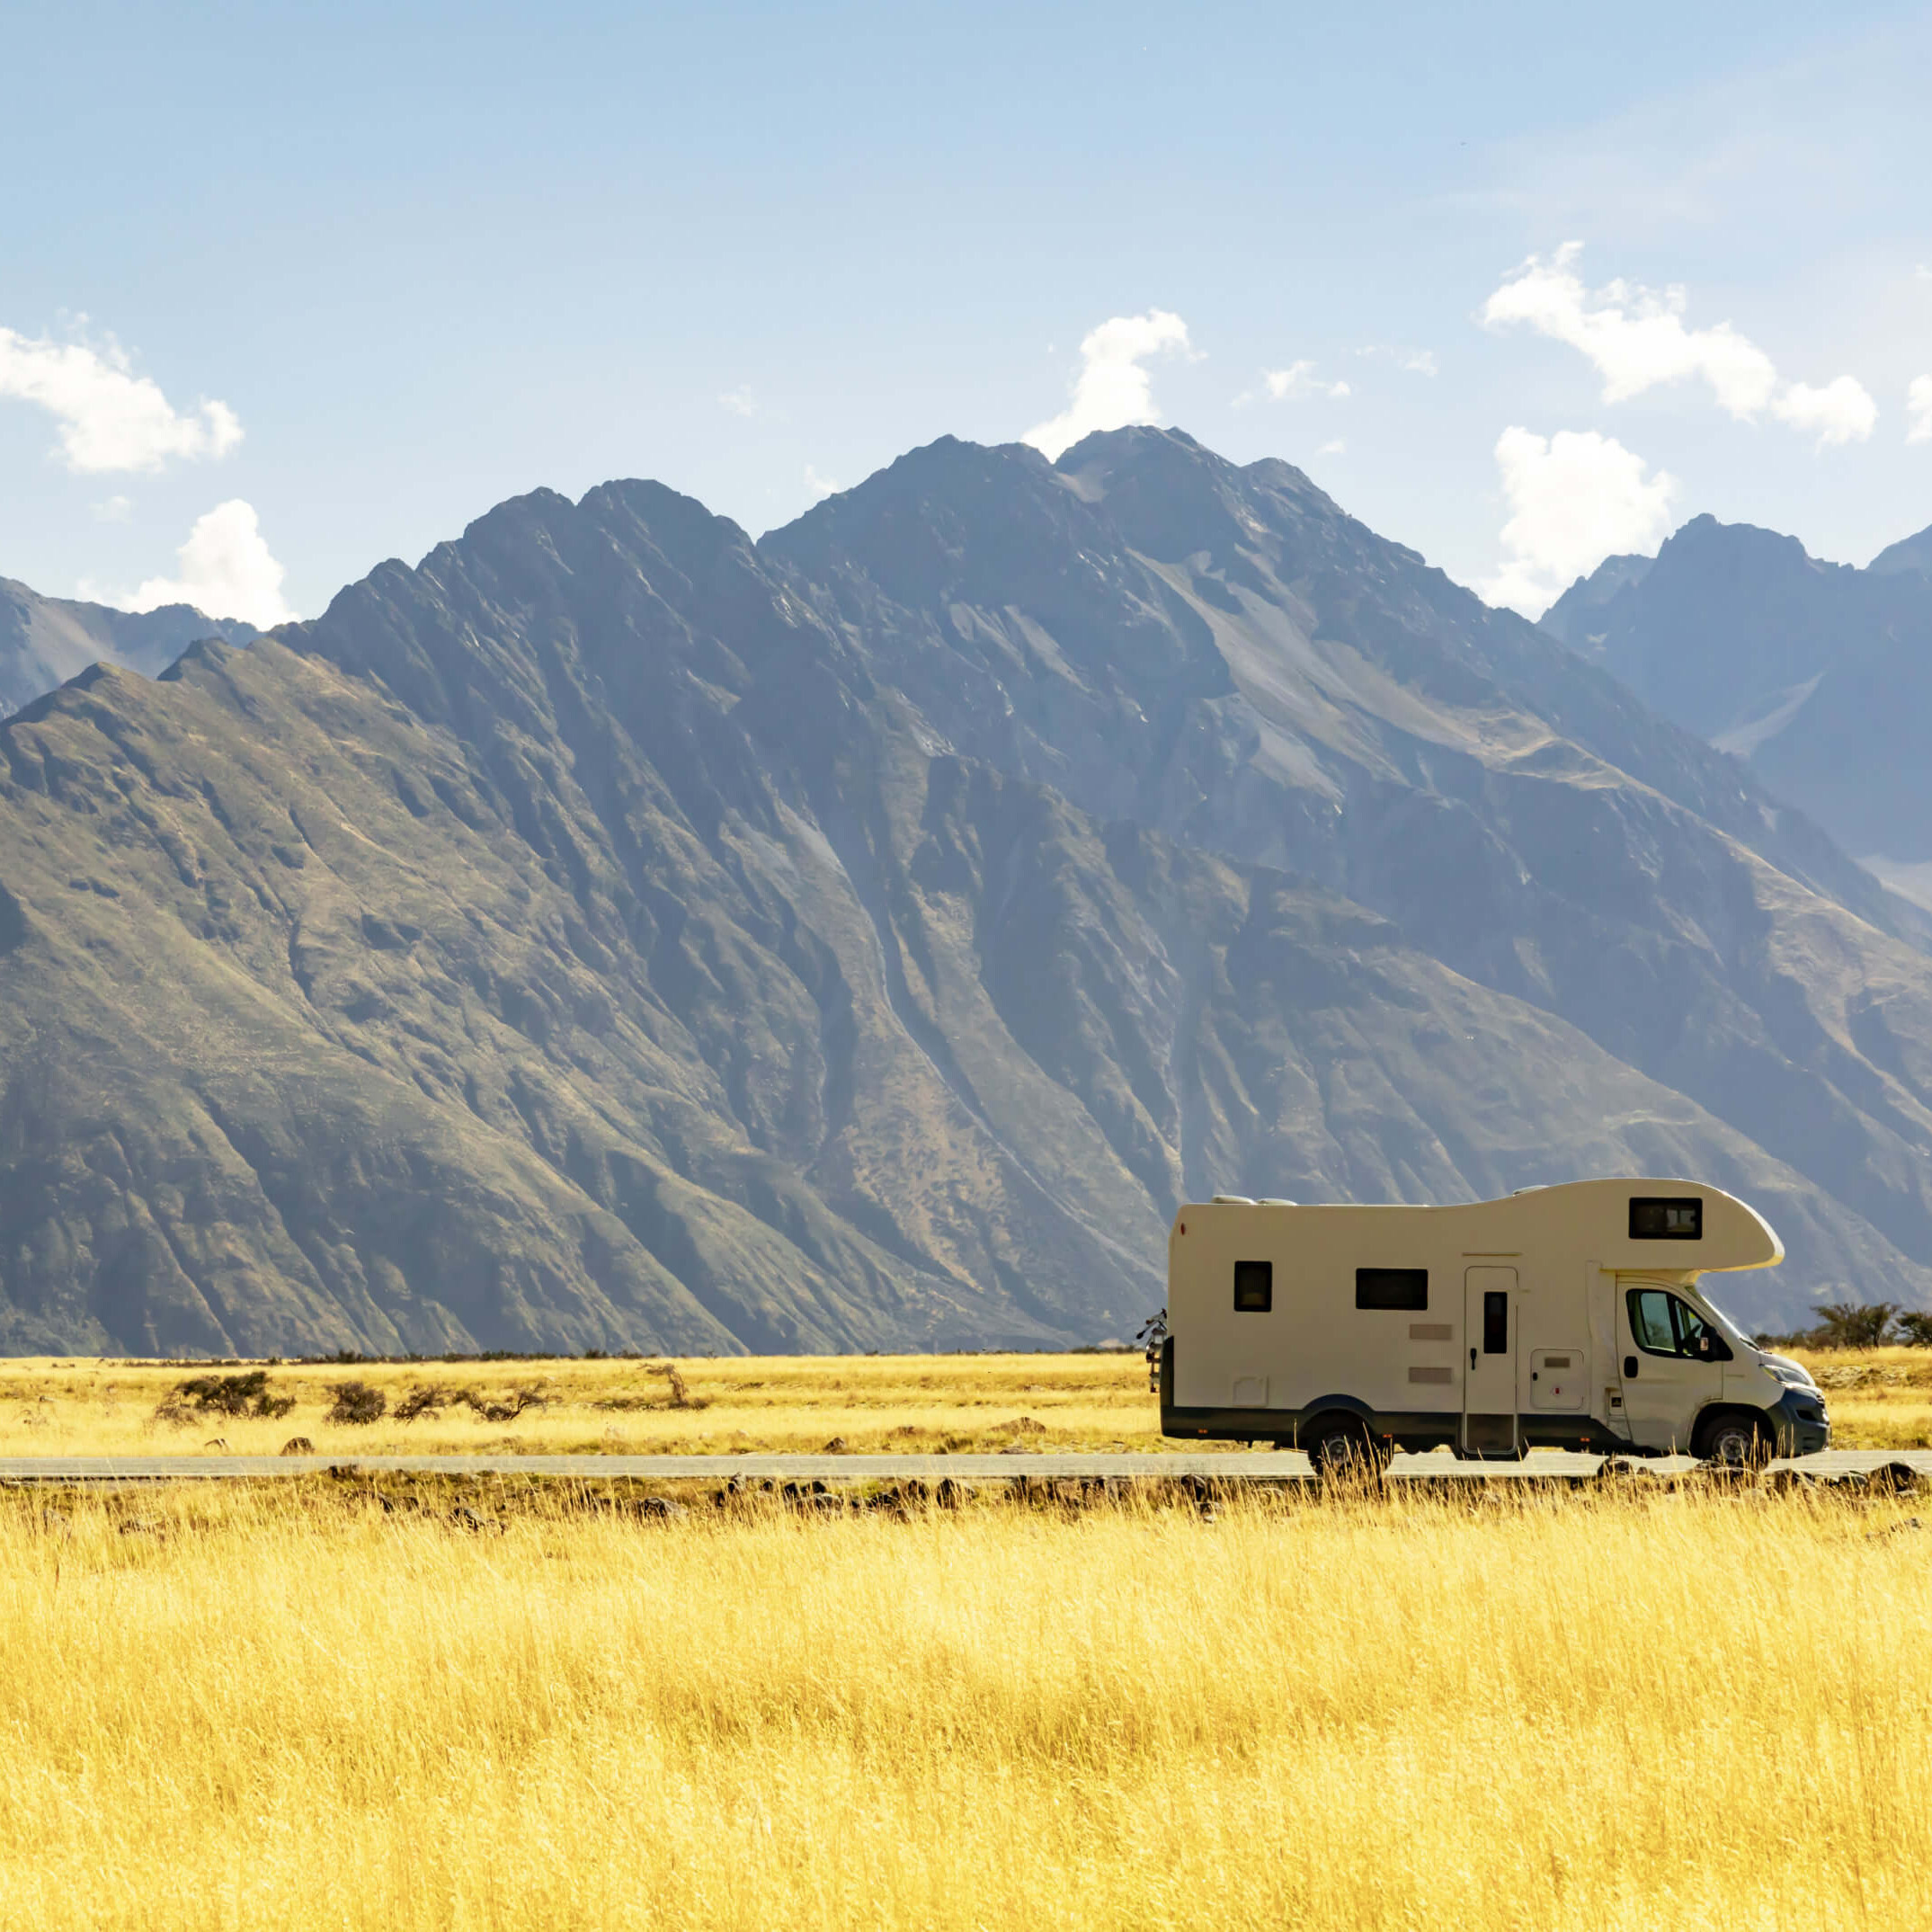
(1662, 1324)
(1650, 1320)
(1695, 1335)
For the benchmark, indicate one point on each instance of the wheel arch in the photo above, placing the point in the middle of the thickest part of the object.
(1714, 1415)
(1324, 1408)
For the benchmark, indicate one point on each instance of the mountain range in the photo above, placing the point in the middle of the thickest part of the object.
(614, 932)
(44, 641)
(1816, 674)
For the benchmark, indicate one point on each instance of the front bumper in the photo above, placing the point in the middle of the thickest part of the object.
(1802, 1426)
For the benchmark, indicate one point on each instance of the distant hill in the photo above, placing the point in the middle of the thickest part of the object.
(613, 932)
(44, 641)
(1819, 674)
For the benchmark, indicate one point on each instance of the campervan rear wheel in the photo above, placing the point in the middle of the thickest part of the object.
(1733, 1441)
(1339, 1445)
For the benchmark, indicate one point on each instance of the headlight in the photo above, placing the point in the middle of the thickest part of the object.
(1788, 1376)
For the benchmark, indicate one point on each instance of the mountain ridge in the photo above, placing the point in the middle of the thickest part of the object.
(613, 932)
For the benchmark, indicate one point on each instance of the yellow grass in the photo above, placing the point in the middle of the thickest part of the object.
(1879, 1398)
(281, 1706)
(918, 1402)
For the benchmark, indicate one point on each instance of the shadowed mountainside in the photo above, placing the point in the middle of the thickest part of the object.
(615, 934)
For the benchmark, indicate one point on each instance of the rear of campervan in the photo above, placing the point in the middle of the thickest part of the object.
(1568, 1316)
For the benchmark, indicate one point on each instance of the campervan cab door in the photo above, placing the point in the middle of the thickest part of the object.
(1673, 1361)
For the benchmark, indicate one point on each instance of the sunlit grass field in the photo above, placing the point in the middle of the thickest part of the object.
(787, 1402)
(1880, 1399)
(283, 1705)
(499, 1703)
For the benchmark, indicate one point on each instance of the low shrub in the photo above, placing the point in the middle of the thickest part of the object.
(245, 1394)
(427, 1399)
(357, 1402)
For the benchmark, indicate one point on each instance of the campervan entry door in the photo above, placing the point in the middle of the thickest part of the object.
(1489, 1381)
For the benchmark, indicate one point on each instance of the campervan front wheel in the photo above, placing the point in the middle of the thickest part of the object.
(1733, 1440)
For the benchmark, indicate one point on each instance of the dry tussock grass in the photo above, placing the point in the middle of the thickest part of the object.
(281, 1705)
(1879, 1398)
(788, 1403)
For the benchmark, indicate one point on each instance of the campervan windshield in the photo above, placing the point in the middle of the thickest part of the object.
(1732, 1332)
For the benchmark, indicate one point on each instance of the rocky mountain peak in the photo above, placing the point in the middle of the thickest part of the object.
(1805, 667)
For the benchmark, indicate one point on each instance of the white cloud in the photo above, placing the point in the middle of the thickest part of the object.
(110, 418)
(1415, 361)
(113, 509)
(1297, 380)
(1575, 498)
(1337, 448)
(1922, 273)
(1841, 412)
(820, 487)
(1634, 337)
(1919, 410)
(226, 570)
(739, 401)
(1112, 389)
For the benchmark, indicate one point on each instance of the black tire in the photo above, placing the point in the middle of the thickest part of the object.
(1341, 1450)
(1733, 1439)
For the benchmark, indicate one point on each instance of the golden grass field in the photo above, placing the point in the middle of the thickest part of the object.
(506, 1703)
(1880, 1399)
(278, 1706)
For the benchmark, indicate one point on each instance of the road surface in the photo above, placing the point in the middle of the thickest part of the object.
(1274, 1465)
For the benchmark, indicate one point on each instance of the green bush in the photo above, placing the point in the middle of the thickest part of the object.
(1853, 1325)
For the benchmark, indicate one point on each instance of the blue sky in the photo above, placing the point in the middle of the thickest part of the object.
(320, 286)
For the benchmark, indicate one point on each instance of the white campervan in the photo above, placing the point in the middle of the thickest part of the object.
(1564, 1317)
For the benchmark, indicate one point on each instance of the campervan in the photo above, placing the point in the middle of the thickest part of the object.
(1568, 1316)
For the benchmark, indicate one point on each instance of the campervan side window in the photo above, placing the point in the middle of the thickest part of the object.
(1392, 1287)
(1254, 1287)
(1654, 1219)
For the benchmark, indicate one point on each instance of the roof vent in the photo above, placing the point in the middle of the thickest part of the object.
(1234, 1200)
(1278, 1200)
(1537, 1188)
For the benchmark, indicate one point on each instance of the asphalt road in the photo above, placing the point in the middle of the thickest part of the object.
(1264, 1463)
